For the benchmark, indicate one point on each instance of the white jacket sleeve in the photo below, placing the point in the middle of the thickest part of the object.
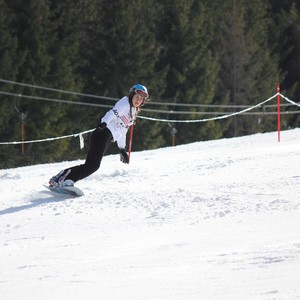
(121, 142)
(108, 117)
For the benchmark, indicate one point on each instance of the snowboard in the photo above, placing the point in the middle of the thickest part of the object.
(66, 190)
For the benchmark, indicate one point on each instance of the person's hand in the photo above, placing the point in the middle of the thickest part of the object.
(100, 127)
(124, 156)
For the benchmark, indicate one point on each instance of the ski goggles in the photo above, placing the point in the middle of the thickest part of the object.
(142, 93)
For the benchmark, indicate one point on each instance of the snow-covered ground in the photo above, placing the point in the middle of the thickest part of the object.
(208, 220)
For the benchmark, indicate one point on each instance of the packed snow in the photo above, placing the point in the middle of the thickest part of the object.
(208, 220)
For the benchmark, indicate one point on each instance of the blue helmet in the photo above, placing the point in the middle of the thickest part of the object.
(139, 89)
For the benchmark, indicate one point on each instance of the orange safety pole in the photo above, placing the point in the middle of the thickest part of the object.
(22, 129)
(278, 110)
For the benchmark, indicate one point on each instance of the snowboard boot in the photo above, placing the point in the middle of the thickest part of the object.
(59, 179)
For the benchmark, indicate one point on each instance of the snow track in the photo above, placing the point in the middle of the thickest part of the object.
(209, 220)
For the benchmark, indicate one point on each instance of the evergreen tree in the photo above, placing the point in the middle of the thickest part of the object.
(286, 32)
(186, 52)
(185, 33)
(9, 58)
(30, 26)
(66, 20)
(294, 72)
(46, 49)
(8, 43)
(119, 49)
(249, 71)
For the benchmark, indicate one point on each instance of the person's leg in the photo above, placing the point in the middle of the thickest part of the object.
(99, 142)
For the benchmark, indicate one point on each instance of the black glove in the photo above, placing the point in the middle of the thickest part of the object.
(100, 127)
(124, 156)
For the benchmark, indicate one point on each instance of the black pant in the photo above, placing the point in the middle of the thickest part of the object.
(99, 143)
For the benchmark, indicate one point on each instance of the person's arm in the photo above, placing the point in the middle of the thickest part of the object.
(108, 117)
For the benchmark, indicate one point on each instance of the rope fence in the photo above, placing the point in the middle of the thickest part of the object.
(210, 119)
(80, 134)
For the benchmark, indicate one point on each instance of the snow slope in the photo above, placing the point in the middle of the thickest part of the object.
(208, 220)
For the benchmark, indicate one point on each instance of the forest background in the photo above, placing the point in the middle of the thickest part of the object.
(198, 58)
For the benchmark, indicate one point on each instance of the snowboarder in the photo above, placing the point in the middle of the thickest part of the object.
(112, 128)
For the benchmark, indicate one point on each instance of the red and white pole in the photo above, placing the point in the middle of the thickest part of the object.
(130, 141)
(278, 110)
